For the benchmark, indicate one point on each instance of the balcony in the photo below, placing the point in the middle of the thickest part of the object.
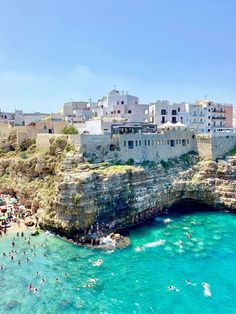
(218, 117)
(218, 111)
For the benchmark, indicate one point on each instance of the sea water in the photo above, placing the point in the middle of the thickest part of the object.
(132, 280)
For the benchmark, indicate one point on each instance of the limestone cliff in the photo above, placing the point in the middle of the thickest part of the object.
(90, 193)
(70, 195)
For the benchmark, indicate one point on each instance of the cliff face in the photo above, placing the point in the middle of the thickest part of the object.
(70, 195)
(91, 193)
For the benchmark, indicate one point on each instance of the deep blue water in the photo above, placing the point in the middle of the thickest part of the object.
(129, 280)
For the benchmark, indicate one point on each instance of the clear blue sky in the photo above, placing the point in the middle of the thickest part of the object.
(55, 50)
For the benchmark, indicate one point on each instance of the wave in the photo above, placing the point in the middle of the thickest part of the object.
(156, 243)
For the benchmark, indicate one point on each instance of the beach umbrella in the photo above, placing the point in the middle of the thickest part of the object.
(3, 210)
(22, 207)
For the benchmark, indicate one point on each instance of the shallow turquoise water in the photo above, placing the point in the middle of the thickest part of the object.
(128, 281)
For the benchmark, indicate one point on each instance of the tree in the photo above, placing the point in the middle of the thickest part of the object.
(70, 129)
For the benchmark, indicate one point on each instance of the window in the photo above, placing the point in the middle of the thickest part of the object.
(168, 142)
(117, 102)
(163, 111)
(122, 102)
(209, 117)
(177, 142)
(178, 109)
(209, 124)
(145, 142)
(124, 143)
(148, 142)
(114, 112)
(209, 130)
(136, 143)
(174, 120)
(174, 113)
(129, 111)
(130, 144)
(163, 120)
(111, 112)
(183, 142)
(136, 102)
(118, 111)
(187, 141)
(209, 110)
(140, 142)
(172, 143)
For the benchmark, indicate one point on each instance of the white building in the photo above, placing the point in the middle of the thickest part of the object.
(120, 105)
(162, 111)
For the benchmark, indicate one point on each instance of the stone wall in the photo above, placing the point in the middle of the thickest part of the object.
(155, 147)
(215, 145)
(43, 140)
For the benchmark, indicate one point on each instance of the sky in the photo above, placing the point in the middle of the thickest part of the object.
(52, 51)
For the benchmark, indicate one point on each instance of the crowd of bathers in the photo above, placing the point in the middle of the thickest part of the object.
(11, 211)
(24, 257)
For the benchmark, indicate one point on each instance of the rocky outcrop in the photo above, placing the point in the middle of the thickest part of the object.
(69, 194)
(95, 193)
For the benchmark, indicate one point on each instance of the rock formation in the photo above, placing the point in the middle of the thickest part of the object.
(69, 194)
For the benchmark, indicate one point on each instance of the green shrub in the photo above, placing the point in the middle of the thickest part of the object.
(130, 162)
(77, 198)
(23, 156)
(33, 141)
(70, 129)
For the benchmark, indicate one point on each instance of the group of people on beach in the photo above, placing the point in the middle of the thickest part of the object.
(11, 211)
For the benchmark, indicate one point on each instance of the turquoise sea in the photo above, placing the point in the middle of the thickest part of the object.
(129, 280)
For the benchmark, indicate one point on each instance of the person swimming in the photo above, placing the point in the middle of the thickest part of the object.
(189, 283)
(57, 280)
(188, 235)
(180, 244)
(207, 291)
(36, 290)
(42, 280)
(173, 288)
(98, 262)
(30, 287)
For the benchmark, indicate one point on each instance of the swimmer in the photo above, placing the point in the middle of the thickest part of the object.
(42, 280)
(19, 262)
(207, 292)
(173, 288)
(65, 275)
(37, 273)
(1, 267)
(188, 282)
(30, 287)
(27, 259)
(180, 244)
(188, 235)
(98, 262)
(138, 249)
(4, 254)
(36, 290)
(92, 280)
(57, 280)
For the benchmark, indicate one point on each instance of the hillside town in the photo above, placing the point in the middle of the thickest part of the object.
(119, 127)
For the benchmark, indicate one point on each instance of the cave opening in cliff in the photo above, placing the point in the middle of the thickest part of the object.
(187, 206)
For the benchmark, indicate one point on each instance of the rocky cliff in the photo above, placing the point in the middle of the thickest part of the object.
(69, 194)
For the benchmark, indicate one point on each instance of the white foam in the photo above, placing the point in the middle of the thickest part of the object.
(156, 243)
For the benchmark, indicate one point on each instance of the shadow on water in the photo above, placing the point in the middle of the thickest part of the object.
(183, 207)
